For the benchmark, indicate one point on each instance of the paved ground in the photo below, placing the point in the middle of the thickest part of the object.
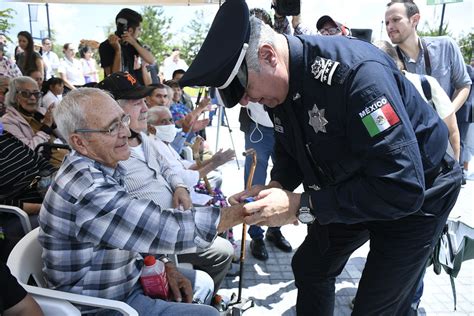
(271, 283)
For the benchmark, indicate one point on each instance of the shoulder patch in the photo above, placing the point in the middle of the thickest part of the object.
(323, 69)
(379, 116)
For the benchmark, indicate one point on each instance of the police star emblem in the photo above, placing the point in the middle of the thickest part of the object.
(317, 119)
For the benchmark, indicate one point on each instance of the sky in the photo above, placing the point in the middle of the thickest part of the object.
(73, 22)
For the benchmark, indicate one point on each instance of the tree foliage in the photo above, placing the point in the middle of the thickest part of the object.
(433, 30)
(5, 17)
(466, 43)
(155, 31)
(197, 30)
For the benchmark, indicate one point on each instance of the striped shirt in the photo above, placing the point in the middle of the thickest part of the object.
(148, 176)
(19, 166)
(92, 230)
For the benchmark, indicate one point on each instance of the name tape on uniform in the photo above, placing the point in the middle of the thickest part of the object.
(379, 116)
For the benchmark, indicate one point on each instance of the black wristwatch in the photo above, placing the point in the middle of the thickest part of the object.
(304, 214)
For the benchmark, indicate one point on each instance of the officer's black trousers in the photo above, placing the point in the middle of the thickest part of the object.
(399, 250)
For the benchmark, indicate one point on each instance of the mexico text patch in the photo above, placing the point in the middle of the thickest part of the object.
(378, 116)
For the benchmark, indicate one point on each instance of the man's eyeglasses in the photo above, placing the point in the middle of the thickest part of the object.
(112, 130)
(27, 94)
(329, 31)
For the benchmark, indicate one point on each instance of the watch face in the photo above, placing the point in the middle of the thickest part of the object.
(306, 217)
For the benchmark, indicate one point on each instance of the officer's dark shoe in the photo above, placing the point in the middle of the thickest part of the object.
(277, 238)
(258, 249)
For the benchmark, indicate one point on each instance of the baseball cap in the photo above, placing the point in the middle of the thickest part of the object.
(123, 85)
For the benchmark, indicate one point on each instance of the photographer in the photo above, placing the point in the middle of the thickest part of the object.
(122, 50)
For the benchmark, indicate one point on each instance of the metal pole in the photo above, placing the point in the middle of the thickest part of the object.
(442, 19)
(47, 19)
(29, 15)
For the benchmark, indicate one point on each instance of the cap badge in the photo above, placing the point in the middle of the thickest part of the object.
(317, 119)
(323, 69)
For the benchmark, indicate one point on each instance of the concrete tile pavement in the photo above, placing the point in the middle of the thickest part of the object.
(271, 283)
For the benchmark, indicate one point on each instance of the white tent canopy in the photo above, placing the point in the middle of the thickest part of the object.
(134, 2)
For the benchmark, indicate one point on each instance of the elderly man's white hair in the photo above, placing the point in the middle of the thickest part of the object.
(69, 115)
(260, 33)
(155, 112)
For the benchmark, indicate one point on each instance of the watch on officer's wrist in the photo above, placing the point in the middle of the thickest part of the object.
(304, 213)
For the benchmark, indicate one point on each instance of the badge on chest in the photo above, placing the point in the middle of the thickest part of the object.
(317, 119)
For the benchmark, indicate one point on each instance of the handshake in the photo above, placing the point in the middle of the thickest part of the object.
(261, 205)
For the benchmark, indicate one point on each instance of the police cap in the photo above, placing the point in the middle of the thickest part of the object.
(220, 62)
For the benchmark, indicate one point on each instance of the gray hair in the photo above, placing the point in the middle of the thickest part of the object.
(155, 112)
(69, 115)
(260, 34)
(123, 102)
(13, 88)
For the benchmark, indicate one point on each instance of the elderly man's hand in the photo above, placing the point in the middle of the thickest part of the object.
(231, 216)
(273, 207)
(181, 197)
(221, 157)
(241, 196)
(181, 288)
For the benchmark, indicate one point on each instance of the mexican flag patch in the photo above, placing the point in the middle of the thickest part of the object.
(379, 116)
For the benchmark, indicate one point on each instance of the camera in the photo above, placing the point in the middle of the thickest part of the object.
(287, 7)
(122, 26)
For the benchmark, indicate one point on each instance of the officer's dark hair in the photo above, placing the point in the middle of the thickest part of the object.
(178, 72)
(262, 15)
(133, 18)
(410, 6)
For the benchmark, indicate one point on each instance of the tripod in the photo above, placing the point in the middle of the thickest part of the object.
(221, 111)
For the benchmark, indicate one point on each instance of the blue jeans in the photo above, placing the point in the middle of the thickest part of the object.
(203, 287)
(262, 140)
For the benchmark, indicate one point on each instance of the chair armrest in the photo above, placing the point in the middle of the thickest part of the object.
(53, 306)
(119, 306)
(22, 215)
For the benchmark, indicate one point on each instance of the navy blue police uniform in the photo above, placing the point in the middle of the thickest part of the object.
(371, 156)
(368, 149)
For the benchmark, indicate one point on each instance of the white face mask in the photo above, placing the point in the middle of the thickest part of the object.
(166, 133)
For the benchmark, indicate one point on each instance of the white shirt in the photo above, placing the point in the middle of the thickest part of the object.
(51, 61)
(444, 106)
(47, 99)
(169, 66)
(258, 114)
(72, 70)
(177, 164)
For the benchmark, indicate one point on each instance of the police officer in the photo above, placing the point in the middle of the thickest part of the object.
(367, 148)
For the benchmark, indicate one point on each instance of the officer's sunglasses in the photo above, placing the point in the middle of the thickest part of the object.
(234, 89)
(27, 94)
(112, 130)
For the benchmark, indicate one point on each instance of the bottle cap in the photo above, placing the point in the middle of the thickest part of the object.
(149, 260)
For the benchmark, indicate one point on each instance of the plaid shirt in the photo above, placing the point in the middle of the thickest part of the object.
(92, 230)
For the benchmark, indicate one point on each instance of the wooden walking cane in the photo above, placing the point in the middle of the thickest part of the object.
(241, 305)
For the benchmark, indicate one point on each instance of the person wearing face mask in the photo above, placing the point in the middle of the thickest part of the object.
(163, 131)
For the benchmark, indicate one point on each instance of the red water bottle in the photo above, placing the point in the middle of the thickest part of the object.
(153, 279)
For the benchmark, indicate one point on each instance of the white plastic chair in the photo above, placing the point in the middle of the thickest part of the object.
(25, 261)
(22, 215)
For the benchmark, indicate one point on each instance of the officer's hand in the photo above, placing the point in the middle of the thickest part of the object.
(273, 207)
(181, 197)
(241, 196)
(180, 286)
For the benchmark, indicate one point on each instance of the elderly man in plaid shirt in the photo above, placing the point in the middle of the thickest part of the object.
(92, 231)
